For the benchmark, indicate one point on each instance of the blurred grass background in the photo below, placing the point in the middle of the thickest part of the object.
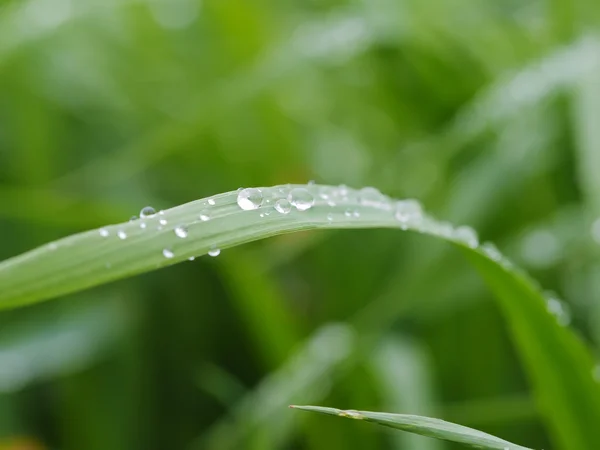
(485, 111)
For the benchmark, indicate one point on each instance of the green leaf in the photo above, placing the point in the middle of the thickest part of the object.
(559, 365)
(425, 426)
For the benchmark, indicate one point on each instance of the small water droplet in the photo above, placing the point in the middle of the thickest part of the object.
(283, 206)
(191, 258)
(181, 231)
(143, 225)
(355, 214)
(370, 196)
(163, 222)
(122, 235)
(168, 253)
(558, 309)
(348, 213)
(466, 235)
(212, 202)
(261, 215)
(330, 217)
(301, 199)
(52, 246)
(103, 232)
(342, 190)
(133, 218)
(491, 251)
(249, 199)
(161, 212)
(204, 216)
(595, 230)
(214, 252)
(408, 213)
(147, 211)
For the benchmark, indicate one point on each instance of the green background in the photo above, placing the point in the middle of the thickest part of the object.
(488, 112)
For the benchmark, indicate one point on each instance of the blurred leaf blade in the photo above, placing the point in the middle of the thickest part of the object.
(425, 426)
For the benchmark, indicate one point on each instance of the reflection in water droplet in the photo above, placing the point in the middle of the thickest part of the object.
(301, 199)
(167, 253)
(122, 234)
(214, 252)
(283, 206)
(204, 216)
(147, 211)
(103, 232)
(181, 231)
(249, 199)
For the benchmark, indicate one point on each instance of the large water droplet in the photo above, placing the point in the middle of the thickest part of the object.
(283, 206)
(204, 216)
(122, 234)
(301, 199)
(214, 252)
(466, 235)
(147, 211)
(249, 199)
(408, 212)
(103, 232)
(168, 253)
(181, 231)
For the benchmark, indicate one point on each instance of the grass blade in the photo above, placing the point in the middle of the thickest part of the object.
(425, 426)
(560, 367)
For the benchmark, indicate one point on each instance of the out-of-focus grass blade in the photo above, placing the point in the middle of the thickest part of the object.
(559, 365)
(425, 426)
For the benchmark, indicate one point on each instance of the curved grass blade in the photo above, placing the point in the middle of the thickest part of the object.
(559, 365)
(425, 426)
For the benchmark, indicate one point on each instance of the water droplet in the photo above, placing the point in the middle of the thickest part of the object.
(52, 246)
(330, 217)
(133, 218)
(161, 213)
(147, 211)
(466, 235)
(142, 225)
(283, 206)
(348, 213)
(301, 199)
(355, 214)
(191, 258)
(370, 196)
(491, 251)
(212, 202)
(181, 231)
(168, 253)
(261, 215)
(214, 252)
(558, 309)
(122, 235)
(408, 213)
(204, 216)
(342, 190)
(163, 222)
(595, 230)
(103, 232)
(249, 199)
